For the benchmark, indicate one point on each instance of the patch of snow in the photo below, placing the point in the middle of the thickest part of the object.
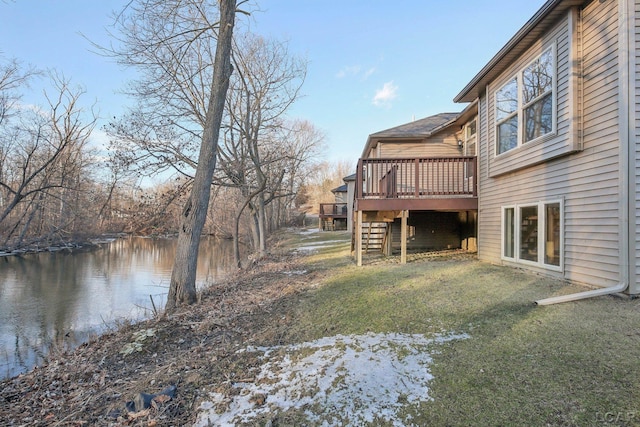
(304, 231)
(318, 245)
(295, 272)
(339, 380)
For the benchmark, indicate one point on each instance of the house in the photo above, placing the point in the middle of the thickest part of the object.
(415, 186)
(555, 118)
(558, 136)
(339, 215)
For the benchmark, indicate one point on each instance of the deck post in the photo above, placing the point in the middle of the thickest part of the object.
(358, 232)
(403, 237)
(389, 231)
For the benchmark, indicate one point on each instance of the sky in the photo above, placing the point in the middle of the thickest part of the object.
(372, 64)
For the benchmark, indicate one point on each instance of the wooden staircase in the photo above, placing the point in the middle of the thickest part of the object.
(327, 224)
(374, 235)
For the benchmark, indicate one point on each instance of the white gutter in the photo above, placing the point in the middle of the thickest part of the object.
(625, 96)
(621, 287)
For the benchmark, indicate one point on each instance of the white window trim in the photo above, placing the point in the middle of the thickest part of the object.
(541, 238)
(521, 107)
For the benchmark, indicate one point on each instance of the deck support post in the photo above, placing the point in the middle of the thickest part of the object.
(388, 243)
(403, 237)
(358, 232)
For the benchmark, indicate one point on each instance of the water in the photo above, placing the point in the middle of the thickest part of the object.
(58, 300)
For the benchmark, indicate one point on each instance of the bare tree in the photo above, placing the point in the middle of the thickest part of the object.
(323, 177)
(182, 93)
(267, 81)
(44, 166)
(304, 143)
(182, 286)
(12, 78)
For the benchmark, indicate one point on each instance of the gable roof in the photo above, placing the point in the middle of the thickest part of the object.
(422, 128)
(417, 128)
(351, 177)
(341, 189)
(547, 16)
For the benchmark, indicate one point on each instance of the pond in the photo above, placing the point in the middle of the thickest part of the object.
(56, 301)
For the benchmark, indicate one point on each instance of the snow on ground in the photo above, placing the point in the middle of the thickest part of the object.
(309, 231)
(317, 245)
(339, 380)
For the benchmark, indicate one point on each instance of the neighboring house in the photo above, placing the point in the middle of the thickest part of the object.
(333, 216)
(350, 182)
(415, 186)
(339, 215)
(559, 146)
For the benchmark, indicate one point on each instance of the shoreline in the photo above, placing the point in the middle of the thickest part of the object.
(94, 381)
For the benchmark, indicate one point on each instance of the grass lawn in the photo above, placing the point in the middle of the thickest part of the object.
(575, 363)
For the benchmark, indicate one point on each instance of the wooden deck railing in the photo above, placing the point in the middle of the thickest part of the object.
(333, 210)
(415, 178)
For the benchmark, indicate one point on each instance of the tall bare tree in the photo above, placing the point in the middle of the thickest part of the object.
(181, 93)
(182, 289)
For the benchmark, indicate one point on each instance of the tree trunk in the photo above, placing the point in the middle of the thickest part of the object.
(182, 288)
(262, 221)
(253, 224)
(236, 241)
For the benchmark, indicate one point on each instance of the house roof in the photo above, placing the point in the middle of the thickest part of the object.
(547, 16)
(351, 177)
(417, 128)
(341, 189)
(422, 128)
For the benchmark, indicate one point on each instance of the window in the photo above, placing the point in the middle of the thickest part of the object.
(507, 116)
(529, 233)
(552, 234)
(524, 105)
(537, 90)
(509, 242)
(532, 233)
(470, 131)
(469, 148)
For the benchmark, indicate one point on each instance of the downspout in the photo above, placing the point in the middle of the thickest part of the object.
(626, 14)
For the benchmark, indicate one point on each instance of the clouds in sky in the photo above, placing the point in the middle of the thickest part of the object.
(355, 71)
(385, 95)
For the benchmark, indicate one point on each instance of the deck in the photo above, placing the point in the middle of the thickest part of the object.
(425, 183)
(329, 213)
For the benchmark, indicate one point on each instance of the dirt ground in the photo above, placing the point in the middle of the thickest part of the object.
(194, 350)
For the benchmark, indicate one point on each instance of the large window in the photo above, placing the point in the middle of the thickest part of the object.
(532, 233)
(524, 105)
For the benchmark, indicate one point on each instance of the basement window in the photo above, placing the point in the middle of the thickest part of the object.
(532, 234)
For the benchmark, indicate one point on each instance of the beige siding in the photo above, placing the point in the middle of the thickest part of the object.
(441, 145)
(587, 181)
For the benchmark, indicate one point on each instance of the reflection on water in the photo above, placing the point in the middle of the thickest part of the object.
(60, 299)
